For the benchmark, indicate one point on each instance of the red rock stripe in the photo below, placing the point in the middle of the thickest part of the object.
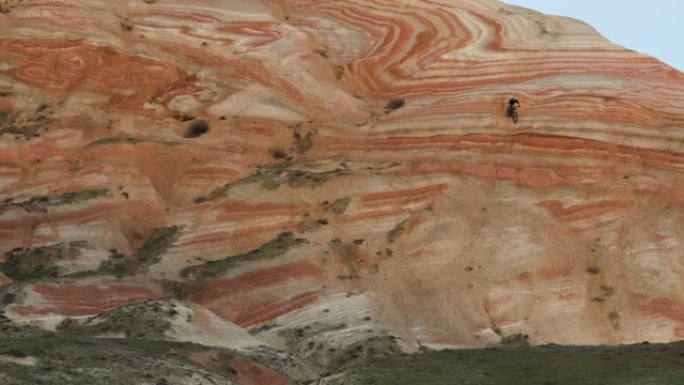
(402, 196)
(79, 300)
(265, 311)
(249, 281)
(583, 211)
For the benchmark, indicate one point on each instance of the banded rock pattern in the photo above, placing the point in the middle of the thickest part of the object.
(254, 159)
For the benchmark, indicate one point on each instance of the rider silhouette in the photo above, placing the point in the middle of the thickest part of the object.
(513, 105)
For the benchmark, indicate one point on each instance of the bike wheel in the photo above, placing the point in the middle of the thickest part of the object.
(514, 116)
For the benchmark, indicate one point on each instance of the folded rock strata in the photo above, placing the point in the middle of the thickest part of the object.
(345, 166)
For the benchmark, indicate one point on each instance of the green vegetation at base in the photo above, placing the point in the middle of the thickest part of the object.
(33, 357)
(334, 358)
(661, 364)
(72, 356)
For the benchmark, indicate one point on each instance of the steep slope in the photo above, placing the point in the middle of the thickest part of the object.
(339, 175)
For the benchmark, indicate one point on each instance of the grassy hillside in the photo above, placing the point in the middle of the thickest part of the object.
(30, 356)
(547, 365)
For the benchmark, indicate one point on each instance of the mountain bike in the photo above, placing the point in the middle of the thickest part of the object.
(512, 113)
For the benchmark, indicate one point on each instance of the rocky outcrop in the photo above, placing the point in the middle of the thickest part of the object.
(345, 166)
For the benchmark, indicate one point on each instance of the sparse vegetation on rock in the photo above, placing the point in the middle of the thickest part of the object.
(25, 124)
(347, 252)
(273, 176)
(396, 232)
(41, 204)
(302, 143)
(155, 245)
(149, 320)
(339, 206)
(270, 250)
(40, 262)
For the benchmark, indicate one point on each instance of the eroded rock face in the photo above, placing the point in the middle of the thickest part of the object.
(347, 149)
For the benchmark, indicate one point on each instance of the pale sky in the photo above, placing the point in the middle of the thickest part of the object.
(654, 27)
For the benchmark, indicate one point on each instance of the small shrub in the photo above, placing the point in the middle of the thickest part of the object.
(517, 339)
(39, 262)
(15, 353)
(396, 231)
(126, 26)
(321, 52)
(277, 153)
(339, 206)
(9, 298)
(196, 129)
(302, 143)
(607, 290)
(184, 117)
(395, 104)
(339, 72)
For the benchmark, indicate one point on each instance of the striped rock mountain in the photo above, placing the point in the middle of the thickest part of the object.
(304, 176)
